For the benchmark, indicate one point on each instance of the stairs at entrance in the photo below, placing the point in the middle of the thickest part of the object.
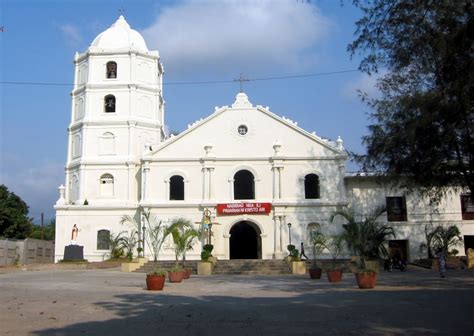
(166, 264)
(233, 266)
(251, 266)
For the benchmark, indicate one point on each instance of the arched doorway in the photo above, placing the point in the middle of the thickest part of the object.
(245, 241)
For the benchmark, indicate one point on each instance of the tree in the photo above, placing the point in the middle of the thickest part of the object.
(183, 235)
(446, 238)
(14, 220)
(423, 120)
(365, 237)
(49, 231)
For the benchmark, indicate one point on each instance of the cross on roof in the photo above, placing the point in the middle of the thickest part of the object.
(121, 11)
(241, 79)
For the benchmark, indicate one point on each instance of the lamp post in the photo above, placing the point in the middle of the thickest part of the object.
(289, 231)
(143, 240)
(210, 233)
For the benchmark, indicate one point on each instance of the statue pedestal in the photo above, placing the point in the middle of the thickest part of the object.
(73, 253)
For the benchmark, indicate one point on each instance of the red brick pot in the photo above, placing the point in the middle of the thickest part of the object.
(366, 280)
(175, 276)
(334, 275)
(187, 273)
(155, 282)
(315, 273)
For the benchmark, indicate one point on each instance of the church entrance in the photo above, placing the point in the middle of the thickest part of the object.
(245, 241)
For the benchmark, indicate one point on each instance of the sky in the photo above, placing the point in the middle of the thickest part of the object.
(198, 41)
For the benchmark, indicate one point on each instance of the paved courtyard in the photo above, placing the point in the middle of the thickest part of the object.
(109, 302)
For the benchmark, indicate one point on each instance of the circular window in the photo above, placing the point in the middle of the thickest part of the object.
(242, 129)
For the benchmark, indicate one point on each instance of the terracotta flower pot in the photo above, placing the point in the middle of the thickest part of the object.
(175, 276)
(155, 282)
(315, 273)
(366, 280)
(187, 273)
(334, 275)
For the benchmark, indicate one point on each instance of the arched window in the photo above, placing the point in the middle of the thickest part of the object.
(103, 240)
(176, 188)
(244, 185)
(106, 185)
(109, 103)
(311, 186)
(111, 70)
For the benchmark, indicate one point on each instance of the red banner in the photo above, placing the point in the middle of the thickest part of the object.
(243, 208)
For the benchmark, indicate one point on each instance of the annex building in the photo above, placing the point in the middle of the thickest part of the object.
(255, 171)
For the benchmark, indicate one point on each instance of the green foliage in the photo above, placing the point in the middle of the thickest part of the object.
(176, 268)
(423, 120)
(14, 220)
(116, 245)
(154, 231)
(158, 271)
(318, 240)
(49, 231)
(446, 238)
(205, 255)
(335, 245)
(184, 236)
(208, 247)
(366, 237)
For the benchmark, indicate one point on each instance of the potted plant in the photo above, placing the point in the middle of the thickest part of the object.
(335, 245)
(155, 280)
(297, 266)
(176, 274)
(184, 236)
(367, 239)
(318, 241)
(205, 265)
(155, 231)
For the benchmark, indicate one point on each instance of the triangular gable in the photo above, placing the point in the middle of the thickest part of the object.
(265, 129)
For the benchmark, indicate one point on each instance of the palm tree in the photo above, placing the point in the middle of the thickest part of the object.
(446, 237)
(183, 235)
(155, 233)
(318, 240)
(366, 238)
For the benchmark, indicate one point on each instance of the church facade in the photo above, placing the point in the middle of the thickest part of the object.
(265, 181)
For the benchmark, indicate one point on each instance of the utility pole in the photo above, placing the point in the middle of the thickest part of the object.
(42, 226)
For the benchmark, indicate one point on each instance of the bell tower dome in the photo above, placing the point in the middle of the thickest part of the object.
(117, 108)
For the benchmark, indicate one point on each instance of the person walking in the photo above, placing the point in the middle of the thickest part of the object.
(441, 262)
(302, 252)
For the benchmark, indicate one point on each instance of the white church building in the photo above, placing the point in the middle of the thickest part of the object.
(255, 171)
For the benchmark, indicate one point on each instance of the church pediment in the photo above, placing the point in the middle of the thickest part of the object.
(244, 131)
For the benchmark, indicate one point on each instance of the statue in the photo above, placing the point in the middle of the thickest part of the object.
(74, 233)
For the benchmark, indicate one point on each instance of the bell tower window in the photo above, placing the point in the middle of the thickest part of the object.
(109, 103)
(111, 70)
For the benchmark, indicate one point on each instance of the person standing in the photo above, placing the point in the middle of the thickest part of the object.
(441, 262)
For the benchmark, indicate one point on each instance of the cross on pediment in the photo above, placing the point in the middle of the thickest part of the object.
(241, 79)
(121, 11)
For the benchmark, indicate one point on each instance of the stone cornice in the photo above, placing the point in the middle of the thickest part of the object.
(266, 159)
(116, 86)
(111, 123)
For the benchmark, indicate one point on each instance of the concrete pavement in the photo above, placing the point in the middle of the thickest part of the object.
(109, 302)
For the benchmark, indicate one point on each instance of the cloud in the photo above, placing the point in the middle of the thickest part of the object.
(364, 83)
(230, 36)
(71, 34)
(37, 186)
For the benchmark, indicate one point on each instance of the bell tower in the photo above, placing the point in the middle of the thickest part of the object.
(117, 109)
